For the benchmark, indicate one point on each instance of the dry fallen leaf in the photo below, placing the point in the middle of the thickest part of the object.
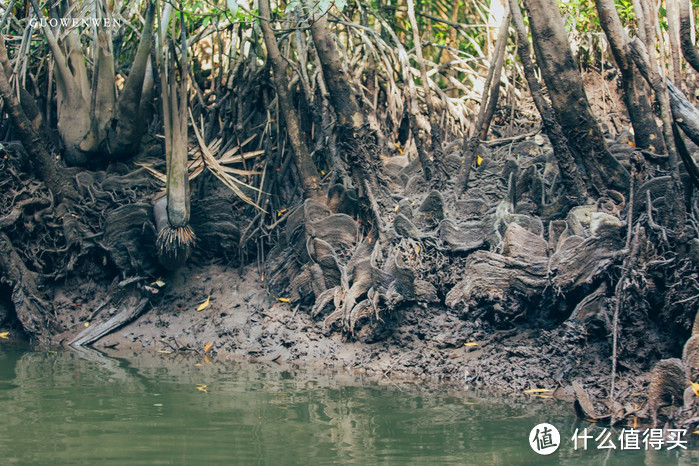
(471, 343)
(538, 390)
(695, 387)
(5, 335)
(87, 324)
(159, 282)
(284, 300)
(479, 160)
(202, 387)
(205, 304)
(207, 347)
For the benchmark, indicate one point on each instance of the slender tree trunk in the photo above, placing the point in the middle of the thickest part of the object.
(499, 59)
(564, 83)
(428, 166)
(470, 146)
(635, 90)
(570, 175)
(342, 95)
(310, 178)
(175, 239)
(127, 123)
(646, 60)
(357, 144)
(673, 32)
(689, 50)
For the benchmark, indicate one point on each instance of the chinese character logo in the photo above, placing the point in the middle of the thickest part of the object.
(544, 439)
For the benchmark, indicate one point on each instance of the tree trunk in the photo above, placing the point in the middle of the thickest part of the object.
(127, 123)
(341, 93)
(43, 163)
(564, 83)
(428, 167)
(308, 173)
(635, 90)
(435, 128)
(175, 237)
(491, 90)
(647, 63)
(358, 145)
(673, 34)
(686, 37)
(570, 175)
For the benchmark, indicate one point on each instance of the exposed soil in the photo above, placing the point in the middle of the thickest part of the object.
(244, 322)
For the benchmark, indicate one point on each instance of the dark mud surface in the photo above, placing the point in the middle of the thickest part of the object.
(432, 343)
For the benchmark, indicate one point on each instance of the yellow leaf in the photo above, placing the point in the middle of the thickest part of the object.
(198, 364)
(159, 282)
(695, 387)
(207, 360)
(396, 208)
(87, 324)
(164, 351)
(207, 347)
(5, 335)
(417, 249)
(322, 172)
(284, 300)
(479, 160)
(205, 304)
(538, 390)
(471, 343)
(696, 432)
(201, 387)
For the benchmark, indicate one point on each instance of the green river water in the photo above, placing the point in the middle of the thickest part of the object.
(85, 407)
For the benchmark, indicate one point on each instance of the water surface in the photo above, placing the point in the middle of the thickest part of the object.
(83, 407)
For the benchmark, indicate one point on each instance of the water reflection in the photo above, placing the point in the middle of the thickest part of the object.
(85, 407)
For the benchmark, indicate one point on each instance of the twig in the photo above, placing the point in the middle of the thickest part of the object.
(396, 360)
